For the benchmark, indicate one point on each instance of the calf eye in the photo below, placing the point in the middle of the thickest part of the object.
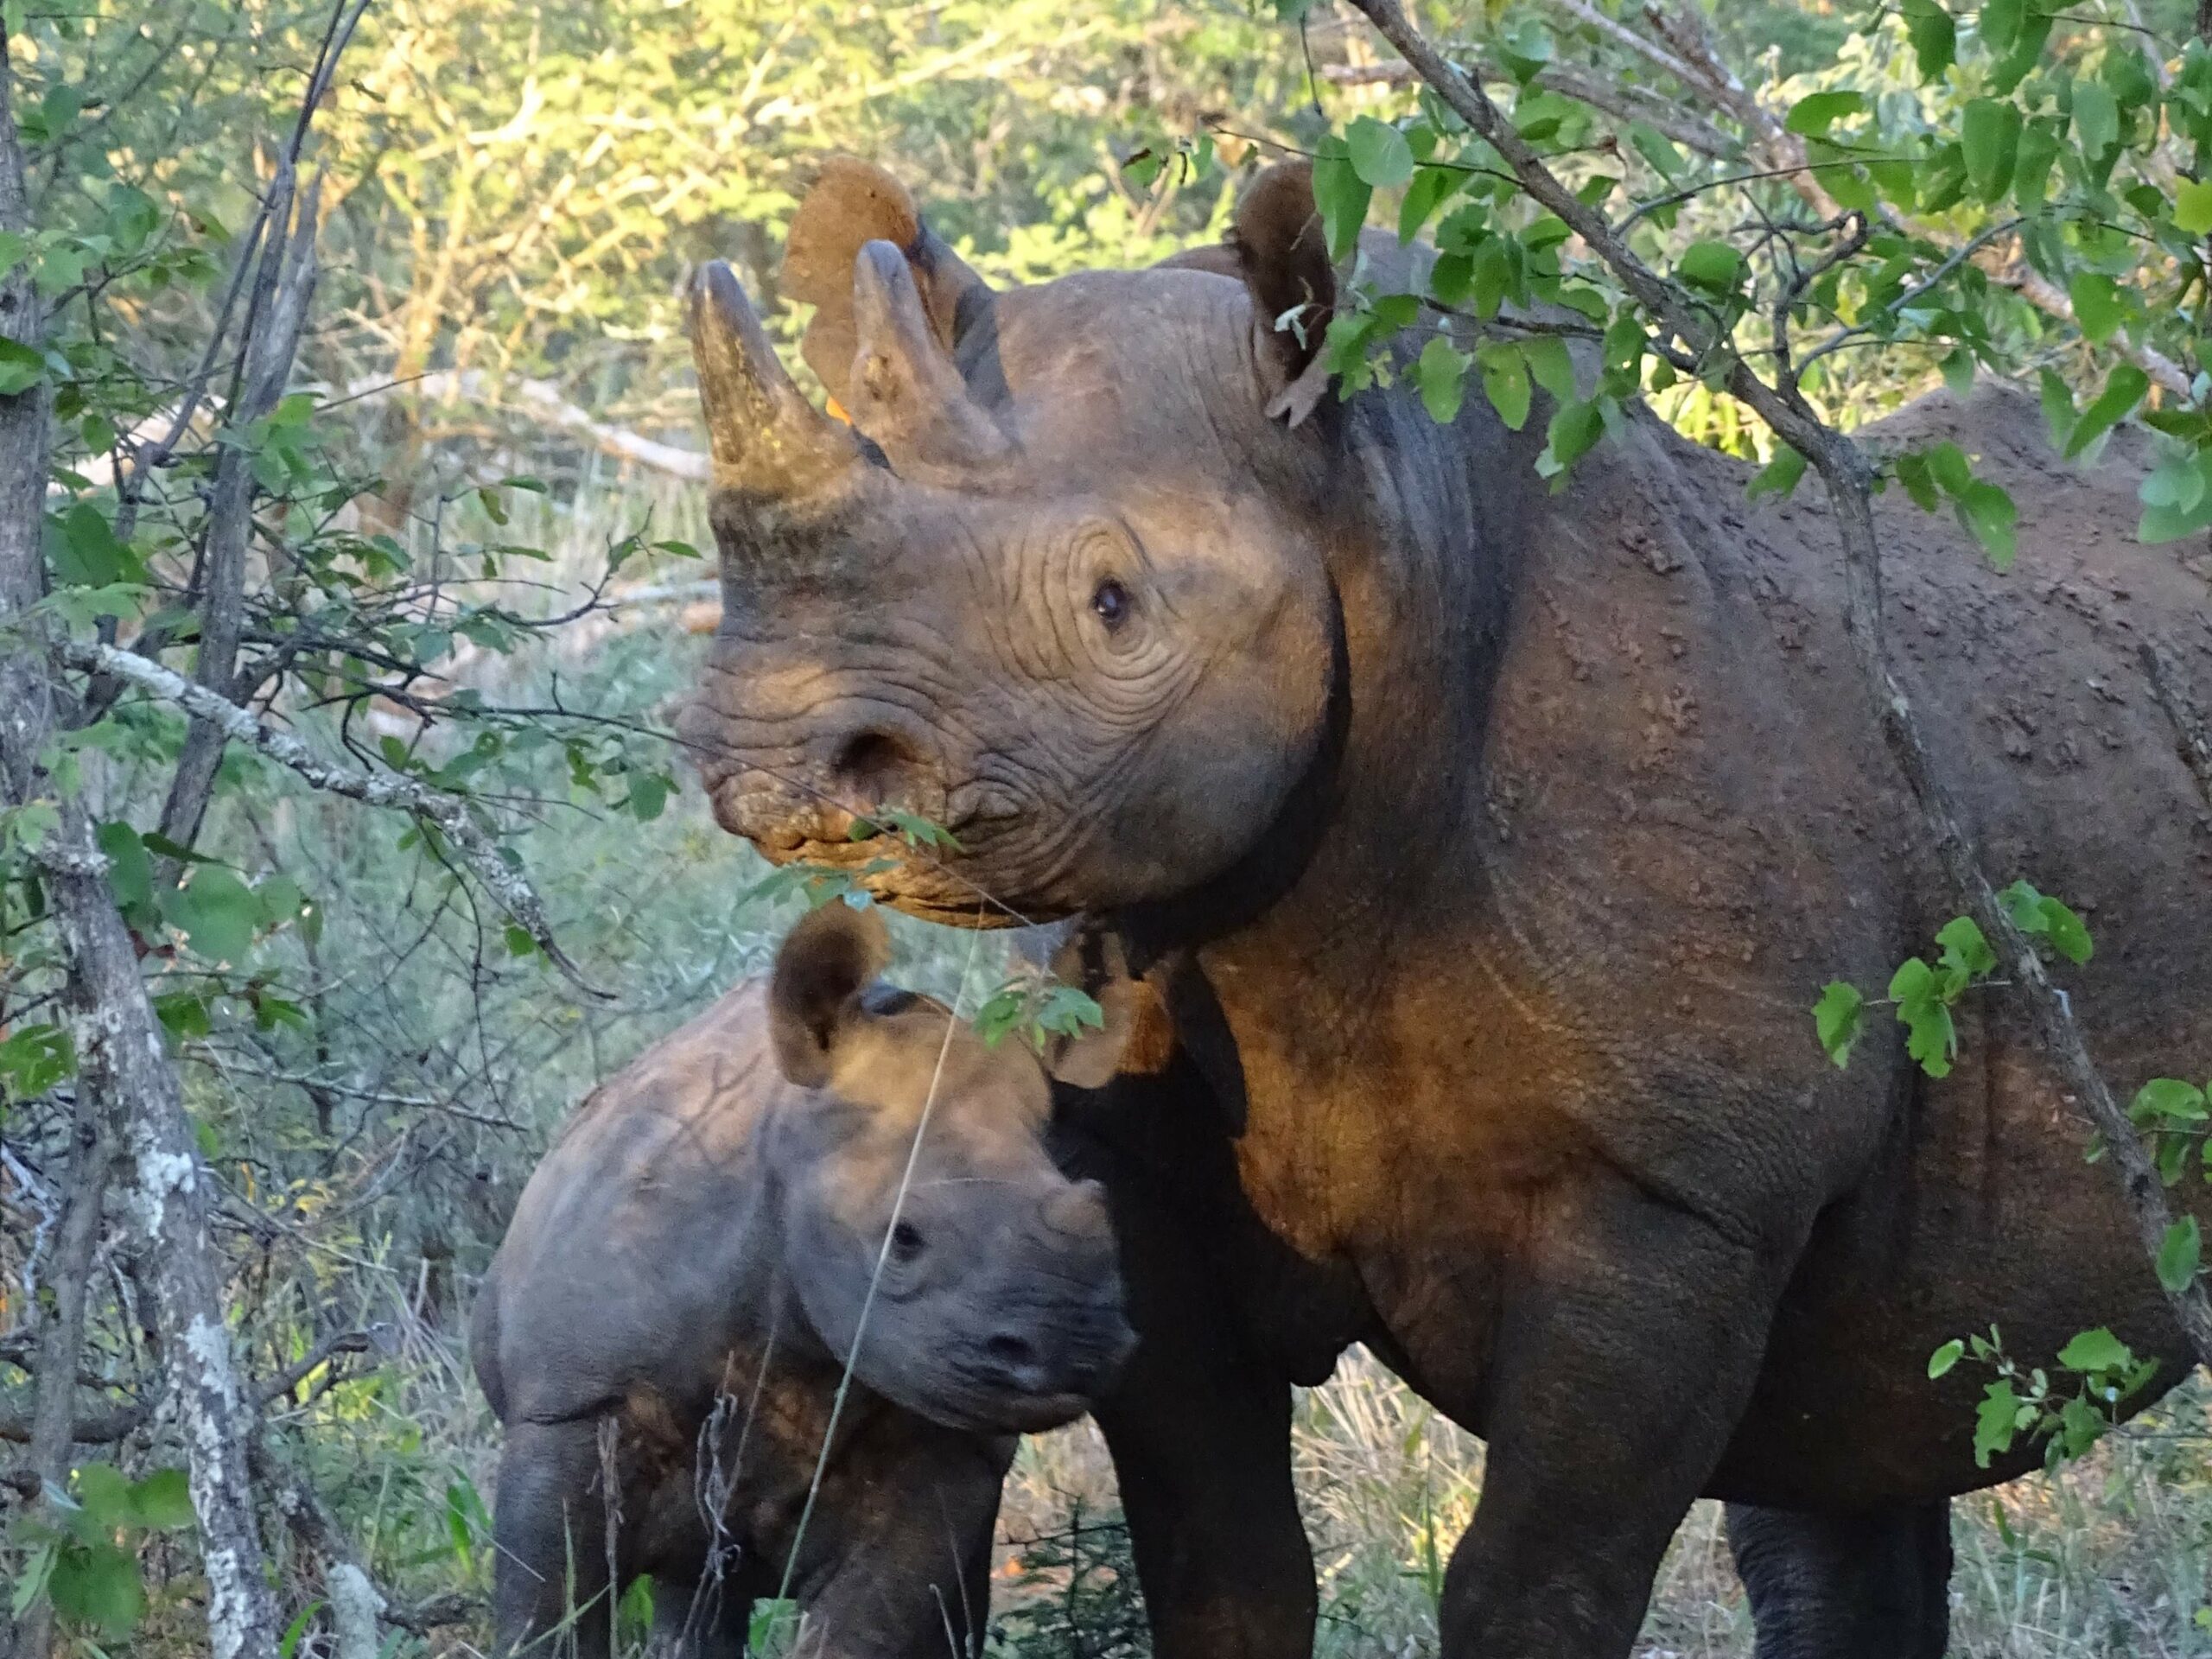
(906, 1242)
(1111, 602)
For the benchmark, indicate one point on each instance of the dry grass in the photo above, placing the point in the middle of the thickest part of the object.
(2107, 1558)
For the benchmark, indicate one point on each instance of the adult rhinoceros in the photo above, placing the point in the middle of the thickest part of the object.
(1496, 844)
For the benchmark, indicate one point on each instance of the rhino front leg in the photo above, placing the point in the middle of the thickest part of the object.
(1199, 1431)
(1871, 1585)
(1626, 1350)
(549, 1528)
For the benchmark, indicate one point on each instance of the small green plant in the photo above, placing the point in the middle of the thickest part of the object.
(2097, 1375)
(84, 1559)
(1074, 1594)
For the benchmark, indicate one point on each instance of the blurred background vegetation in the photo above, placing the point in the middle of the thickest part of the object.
(513, 195)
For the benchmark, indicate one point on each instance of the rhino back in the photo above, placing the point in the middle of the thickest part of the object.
(639, 1251)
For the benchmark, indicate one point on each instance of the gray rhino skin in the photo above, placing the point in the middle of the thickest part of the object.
(702, 1234)
(1489, 847)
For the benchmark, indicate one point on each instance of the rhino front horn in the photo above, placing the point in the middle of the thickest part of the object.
(768, 440)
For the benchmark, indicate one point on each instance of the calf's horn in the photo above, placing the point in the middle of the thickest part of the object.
(768, 441)
(905, 394)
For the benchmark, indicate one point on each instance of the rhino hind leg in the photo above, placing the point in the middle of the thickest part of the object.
(550, 1529)
(1869, 1585)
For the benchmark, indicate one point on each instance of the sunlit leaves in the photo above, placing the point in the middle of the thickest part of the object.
(2096, 1375)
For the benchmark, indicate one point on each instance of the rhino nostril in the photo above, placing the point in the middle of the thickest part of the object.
(873, 764)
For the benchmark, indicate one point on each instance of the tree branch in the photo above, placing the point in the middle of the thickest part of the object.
(451, 815)
(283, 287)
(1844, 470)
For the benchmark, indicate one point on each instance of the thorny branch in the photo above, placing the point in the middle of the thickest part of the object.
(1849, 479)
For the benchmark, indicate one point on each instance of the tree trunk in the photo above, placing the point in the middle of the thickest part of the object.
(121, 1057)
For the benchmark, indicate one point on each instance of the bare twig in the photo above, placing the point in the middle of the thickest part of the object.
(1620, 99)
(1849, 479)
(451, 815)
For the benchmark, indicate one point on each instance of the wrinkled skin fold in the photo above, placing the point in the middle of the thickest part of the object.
(1488, 848)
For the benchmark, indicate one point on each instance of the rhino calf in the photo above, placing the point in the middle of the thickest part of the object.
(664, 1329)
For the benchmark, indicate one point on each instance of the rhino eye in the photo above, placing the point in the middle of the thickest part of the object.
(1111, 601)
(906, 1242)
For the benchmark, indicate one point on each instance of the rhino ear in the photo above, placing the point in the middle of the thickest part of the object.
(851, 204)
(1284, 259)
(814, 993)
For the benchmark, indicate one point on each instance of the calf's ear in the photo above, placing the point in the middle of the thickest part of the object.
(1284, 259)
(853, 203)
(814, 993)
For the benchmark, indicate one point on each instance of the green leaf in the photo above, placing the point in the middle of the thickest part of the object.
(2179, 1254)
(1779, 476)
(130, 872)
(2096, 118)
(649, 793)
(1712, 266)
(216, 913)
(2096, 1350)
(1441, 373)
(1431, 186)
(1965, 948)
(1989, 514)
(2167, 1101)
(2097, 309)
(1940, 1362)
(1989, 136)
(164, 1501)
(2193, 206)
(2068, 934)
(1340, 195)
(1666, 160)
(1378, 152)
(1997, 1419)
(2123, 391)
(2178, 483)
(1932, 1037)
(21, 368)
(2058, 407)
(96, 1585)
(1838, 1019)
(1550, 366)
(1575, 431)
(1495, 275)
(1935, 38)
(33, 1058)
(1814, 114)
(1505, 381)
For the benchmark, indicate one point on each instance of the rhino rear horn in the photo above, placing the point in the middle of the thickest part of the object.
(853, 203)
(768, 440)
(904, 391)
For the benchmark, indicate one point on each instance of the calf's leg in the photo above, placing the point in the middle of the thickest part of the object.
(549, 1527)
(1871, 1585)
